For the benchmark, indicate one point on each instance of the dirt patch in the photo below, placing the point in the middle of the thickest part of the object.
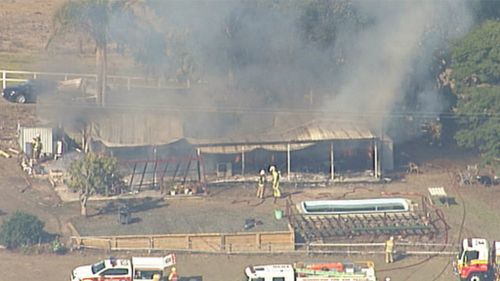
(203, 215)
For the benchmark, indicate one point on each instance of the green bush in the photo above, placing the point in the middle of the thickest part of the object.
(21, 229)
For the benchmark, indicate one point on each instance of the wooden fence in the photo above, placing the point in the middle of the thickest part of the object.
(117, 81)
(245, 242)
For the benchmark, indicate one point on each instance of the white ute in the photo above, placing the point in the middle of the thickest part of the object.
(136, 268)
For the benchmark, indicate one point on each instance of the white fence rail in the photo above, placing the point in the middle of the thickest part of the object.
(404, 248)
(116, 81)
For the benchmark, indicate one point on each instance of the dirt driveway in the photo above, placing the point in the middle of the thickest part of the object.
(40, 200)
(476, 207)
(214, 267)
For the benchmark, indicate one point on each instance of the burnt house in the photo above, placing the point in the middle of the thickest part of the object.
(331, 150)
(168, 146)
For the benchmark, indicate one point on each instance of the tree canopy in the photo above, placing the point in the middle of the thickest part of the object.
(21, 229)
(475, 57)
(93, 174)
(476, 73)
(92, 18)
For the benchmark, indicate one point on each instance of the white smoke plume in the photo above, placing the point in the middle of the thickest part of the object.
(401, 44)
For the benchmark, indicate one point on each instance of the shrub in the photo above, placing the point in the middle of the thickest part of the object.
(21, 229)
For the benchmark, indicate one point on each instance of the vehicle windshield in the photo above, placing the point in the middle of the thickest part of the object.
(98, 267)
(471, 255)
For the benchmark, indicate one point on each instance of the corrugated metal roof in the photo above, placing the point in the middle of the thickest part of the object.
(225, 149)
(130, 131)
(294, 138)
(309, 132)
(115, 130)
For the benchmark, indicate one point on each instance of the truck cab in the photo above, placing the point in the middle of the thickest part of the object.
(473, 261)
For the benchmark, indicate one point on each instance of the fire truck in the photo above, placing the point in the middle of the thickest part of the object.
(476, 261)
(135, 268)
(359, 271)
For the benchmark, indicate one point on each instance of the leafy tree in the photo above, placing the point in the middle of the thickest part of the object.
(475, 57)
(90, 18)
(480, 122)
(93, 174)
(476, 74)
(21, 229)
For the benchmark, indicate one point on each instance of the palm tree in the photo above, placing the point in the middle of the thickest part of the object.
(89, 18)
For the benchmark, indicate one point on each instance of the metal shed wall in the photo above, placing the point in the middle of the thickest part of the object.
(26, 136)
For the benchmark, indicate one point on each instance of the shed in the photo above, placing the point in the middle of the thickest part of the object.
(27, 134)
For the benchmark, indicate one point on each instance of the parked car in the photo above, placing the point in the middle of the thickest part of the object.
(28, 91)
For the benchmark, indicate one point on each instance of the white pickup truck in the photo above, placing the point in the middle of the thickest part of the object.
(133, 269)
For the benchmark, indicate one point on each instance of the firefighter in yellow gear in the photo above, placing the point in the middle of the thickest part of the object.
(275, 182)
(261, 184)
(389, 250)
(37, 147)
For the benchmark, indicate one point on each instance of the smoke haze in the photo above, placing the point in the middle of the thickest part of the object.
(367, 59)
(263, 52)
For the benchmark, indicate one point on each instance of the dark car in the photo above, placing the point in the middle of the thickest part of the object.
(28, 91)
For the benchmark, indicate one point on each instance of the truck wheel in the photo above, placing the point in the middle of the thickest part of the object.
(475, 277)
(21, 99)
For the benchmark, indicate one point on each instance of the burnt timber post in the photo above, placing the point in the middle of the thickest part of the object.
(198, 163)
(332, 162)
(376, 162)
(288, 160)
(243, 161)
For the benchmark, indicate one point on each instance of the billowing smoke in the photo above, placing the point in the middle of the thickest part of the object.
(396, 58)
(358, 59)
(274, 54)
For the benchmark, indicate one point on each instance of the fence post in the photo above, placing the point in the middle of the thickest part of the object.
(258, 240)
(128, 83)
(222, 243)
(4, 78)
(151, 244)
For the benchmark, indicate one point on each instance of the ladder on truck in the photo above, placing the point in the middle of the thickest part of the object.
(310, 274)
